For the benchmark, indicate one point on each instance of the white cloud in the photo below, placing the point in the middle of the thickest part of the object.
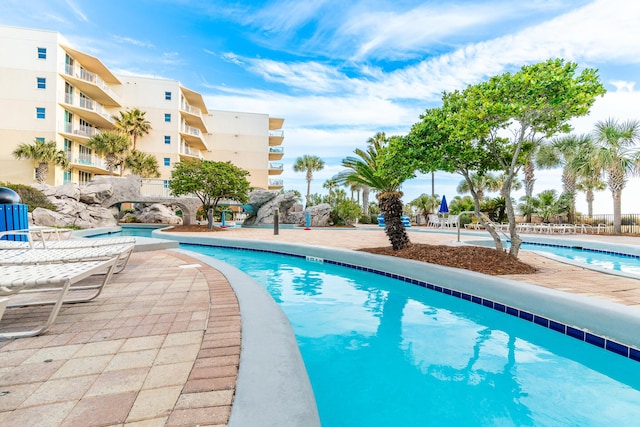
(132, 41)
(76, 11)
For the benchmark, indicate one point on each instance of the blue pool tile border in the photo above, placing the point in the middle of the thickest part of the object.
(570, 331)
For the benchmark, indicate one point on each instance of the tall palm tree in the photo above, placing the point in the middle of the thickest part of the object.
(43, 153)
(113, 145)
(618, 156)
(367, 168)
(481, 183)
(330, 184)
(563, 152)
(133, 123)
(142, 164)
(308, 164)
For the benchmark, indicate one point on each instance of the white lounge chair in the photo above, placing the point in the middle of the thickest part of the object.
(58, 244)
(20, 283)
(51, 256)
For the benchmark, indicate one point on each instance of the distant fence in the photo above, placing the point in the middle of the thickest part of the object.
(630, 222)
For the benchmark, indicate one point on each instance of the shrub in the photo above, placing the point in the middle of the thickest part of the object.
(365, 219)
(30, 196)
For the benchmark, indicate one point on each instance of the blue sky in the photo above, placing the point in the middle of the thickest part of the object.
(340, 71)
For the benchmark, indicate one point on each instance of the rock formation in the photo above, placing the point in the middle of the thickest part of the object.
(262, 204)
(153, 214)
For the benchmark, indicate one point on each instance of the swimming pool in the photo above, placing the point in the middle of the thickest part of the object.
(582, 252)
(384, 352)
(130, 231)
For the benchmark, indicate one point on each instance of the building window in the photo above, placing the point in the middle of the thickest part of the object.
(40, 139)
(165, 184)
(167, 96)
(167, 117)
(42, 53)
(40, 113)
(167, 139)
(167, 161)
(41, 82)
(67, 177)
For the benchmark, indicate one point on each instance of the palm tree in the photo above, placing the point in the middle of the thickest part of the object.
(142, 164)
(368, 169)
(113, 145)
(308, 164)
(43, 153)
(330, 184)
(481, 183)
(426, 204)
(618, 156)
(563, 152)
(133, 123)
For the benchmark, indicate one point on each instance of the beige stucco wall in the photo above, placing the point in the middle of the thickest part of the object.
(242, 139)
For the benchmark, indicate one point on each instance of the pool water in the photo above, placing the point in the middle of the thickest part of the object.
(381, 352)
(604, 260)
(129, 231)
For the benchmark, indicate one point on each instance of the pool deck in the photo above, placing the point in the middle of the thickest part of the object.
(161, 345)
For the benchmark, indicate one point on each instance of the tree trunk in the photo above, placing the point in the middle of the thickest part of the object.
(529, 180)
(41, 172)
(617, 212)
(516, 242)
(391, 208)
(365, 200)
(590, 203)
(476, 205)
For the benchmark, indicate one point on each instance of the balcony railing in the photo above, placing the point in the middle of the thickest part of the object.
(185, 149)
(89, 104)
(276, 150)
(277, 133)
(276, 183)
(276, 166)
(191, 130)
(92, 160)
(190, 109)
(86, 131)
(88, 76)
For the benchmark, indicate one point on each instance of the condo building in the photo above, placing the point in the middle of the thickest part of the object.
(52, 91)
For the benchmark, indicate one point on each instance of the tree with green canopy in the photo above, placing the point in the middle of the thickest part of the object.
(210, 182)
(618, 155)
(113, 145)
(308, 164)
(142, 164)
(133, 123)
(44, 153)
(426, 204)
(481, 183)
(372, 167)
(495, 125)
(536, 102)
(564, 151)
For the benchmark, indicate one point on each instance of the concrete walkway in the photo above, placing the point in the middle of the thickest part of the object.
(161, 345)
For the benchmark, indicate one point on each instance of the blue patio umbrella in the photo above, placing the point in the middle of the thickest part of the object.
(443, 206)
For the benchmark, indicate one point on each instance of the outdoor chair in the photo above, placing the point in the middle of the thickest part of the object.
(50, 256)
(58, 244)
(29, 285)
(433, 221)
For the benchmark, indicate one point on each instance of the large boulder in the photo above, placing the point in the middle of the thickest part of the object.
(72, 213)
(155, 214)
(263, 204)
(95, 193)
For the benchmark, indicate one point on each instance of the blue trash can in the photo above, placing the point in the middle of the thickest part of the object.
(13, 214)
(380, 220)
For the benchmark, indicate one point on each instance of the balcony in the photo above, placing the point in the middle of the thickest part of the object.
(193, 116)
(275, 123)
(91, 163)
(276, 153)
(89, 110)
(275, 168)
(78, 131)
(188, 153)
(275, 184)
(194, 137)
(92, 85)
(276, 137)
